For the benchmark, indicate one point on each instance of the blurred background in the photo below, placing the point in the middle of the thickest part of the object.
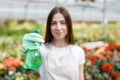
(96, 25)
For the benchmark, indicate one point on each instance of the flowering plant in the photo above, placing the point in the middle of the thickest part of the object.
(13, 69)
(102, 63)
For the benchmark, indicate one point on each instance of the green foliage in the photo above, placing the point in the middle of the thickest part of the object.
(12, 32)
(96, 33)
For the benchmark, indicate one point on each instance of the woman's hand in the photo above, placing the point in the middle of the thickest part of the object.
(81, 72)
(31, 41)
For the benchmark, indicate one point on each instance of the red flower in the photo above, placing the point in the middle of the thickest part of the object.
(113, 46)
(118, 76)
(115, 75)
(87, 49)
(93, 59)
(107, 48)
(107, 67)
(85, 78)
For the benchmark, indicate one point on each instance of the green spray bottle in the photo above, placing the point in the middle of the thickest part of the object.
(31, 46)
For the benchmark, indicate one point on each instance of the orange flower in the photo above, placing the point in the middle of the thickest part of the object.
(107, 67)
(17, 63)
(100, 56)
(38, 79)
(11, 63)
(30, 75)
(8, 62)
(110, 53)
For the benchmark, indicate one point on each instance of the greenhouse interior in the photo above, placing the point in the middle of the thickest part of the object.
(96, 30)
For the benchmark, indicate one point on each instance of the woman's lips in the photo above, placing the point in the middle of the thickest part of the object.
(58, 33)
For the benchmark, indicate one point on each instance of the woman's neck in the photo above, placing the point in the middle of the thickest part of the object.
(59, 43)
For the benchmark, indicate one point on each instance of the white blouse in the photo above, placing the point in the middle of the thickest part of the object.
(57, 56)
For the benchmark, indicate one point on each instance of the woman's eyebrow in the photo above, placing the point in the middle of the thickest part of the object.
(53, 21)
(56, 21)
(63, 20)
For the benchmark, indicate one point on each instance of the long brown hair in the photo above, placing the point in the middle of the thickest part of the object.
(65, 13)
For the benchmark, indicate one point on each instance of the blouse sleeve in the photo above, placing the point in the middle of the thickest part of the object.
(43, 50)
(82, 56)
(79, 54)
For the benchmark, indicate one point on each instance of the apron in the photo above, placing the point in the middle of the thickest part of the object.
(64, 68)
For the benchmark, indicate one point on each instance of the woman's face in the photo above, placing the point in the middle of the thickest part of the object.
(59, 27)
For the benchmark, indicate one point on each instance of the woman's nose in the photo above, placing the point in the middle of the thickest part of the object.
(58, 26)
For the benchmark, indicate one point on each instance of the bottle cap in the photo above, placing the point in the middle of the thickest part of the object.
(36, 31)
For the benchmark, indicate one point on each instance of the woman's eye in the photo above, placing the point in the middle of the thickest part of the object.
(53, 23)
(63, 22)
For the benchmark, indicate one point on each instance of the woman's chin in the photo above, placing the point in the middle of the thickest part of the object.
(60, 38)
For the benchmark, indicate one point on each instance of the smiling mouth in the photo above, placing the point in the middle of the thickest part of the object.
(58, 33)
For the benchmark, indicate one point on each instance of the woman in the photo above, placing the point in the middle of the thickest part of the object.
(61, 58)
